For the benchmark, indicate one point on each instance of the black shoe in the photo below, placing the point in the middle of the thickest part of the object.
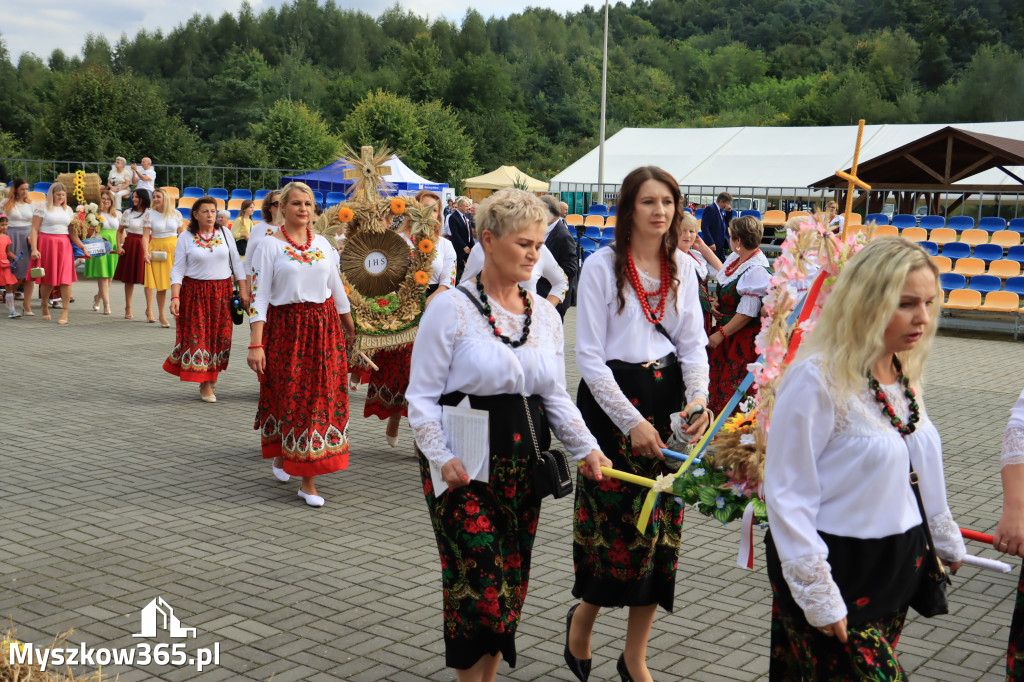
(622, 669)
(580, 667)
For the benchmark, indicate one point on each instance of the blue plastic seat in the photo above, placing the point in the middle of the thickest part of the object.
(593, 232)
(1016, 285)
(1017, 225)
(233, 212)
(901, 220)
(241, 194)
(751, 211)
(318, 197)
(988, 252)
(687, 210)
(194, 192)
(955, 250)
(930, 222)
(41, 187)
(186, 213)
(611, 210)
(1016, 253)
(992, 224)
(597, 209)
(950, 280)
(931, 247)
(877, 218)
(260, 193)
(699, 213)
(605, 241)
(335, 198)
(218, 193)
(985, 283)
(961, 223)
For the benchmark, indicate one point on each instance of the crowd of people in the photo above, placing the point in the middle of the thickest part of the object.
(849, 539)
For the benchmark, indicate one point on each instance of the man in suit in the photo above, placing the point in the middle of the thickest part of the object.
(461, 235)
(562, 245)
(714, 225)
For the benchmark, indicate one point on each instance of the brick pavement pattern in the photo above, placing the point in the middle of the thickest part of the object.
(119, 485)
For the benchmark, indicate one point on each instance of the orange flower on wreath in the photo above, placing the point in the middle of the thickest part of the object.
(347, 290)
(345, 214)
(426, 246)
(398, 206)
(422, 278)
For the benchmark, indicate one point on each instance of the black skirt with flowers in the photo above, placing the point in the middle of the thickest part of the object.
(485, 534)
(1015, 646)
(615, 564)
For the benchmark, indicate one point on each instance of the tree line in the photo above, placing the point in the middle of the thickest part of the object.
(287, 87)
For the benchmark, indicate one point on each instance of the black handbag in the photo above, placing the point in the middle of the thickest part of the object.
(930, 598)
(235, 300)
(551, 473)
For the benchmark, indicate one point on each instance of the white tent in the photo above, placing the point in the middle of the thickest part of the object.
(761, 157)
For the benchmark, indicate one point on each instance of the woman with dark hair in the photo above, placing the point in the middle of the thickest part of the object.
(243, 225)
(640, 351)
(205, 259)
(131, 267)
(742, 283)
(271, 221)
(18, 208)
(51, 241)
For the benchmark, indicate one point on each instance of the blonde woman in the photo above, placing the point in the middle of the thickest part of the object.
(51, 248)
(18, 208)
(161, 236)
(846, 551)
(102, 268)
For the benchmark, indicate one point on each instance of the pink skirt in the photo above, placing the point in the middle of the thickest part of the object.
(56, 260)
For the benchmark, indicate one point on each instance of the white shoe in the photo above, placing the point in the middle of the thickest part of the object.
(208, 398)
(13, 315)
(280, 474)
(312, 500)
(392, 440)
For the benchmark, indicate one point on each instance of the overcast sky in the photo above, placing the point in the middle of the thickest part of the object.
(44, 25)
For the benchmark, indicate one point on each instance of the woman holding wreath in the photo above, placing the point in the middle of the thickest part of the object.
(205, 262)
(640, 351)
(298, 349)
(848, 549)
(495, 344)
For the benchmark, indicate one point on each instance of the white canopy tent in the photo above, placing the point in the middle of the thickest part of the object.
(768, 157)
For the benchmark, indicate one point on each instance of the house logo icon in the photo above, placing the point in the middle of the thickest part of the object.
(169, 621)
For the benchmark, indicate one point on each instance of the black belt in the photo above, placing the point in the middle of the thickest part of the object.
(660, 363)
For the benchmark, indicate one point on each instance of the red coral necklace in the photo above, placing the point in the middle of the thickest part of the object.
(735, 265)
(309, 239)
(653, 316)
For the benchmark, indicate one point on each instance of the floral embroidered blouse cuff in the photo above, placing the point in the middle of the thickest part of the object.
(432, 443)
(1013, 446)
(810, 582)
(949, 543)
(613, 401)
(696, 380)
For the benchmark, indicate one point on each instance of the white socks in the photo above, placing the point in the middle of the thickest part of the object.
(9, 300)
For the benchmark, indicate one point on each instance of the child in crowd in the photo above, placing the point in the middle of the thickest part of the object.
(7, 260)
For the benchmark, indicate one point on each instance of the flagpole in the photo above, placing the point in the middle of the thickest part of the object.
(604, 101)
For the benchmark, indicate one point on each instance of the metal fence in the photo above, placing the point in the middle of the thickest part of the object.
(1008, 205)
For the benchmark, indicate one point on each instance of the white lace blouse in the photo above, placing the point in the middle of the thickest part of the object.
(1013, 438)
(842, 468)
(753, 282)
(134, 222)
(456, 350)
(281, 275)
(210, 259)
(54, 220)
(547, 267)
(603, 333)
(163, 226)
(21, 214)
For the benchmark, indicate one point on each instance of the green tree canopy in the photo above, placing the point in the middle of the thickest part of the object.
(295, 137)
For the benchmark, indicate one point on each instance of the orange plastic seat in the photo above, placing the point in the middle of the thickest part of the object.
(914, 234)
(856, 219)
(172, 192)
(798, 214)
(943, 263)
(974, 237)
(573, 220)
(1004, 268)
(610, 221)
(1006, 238)
(594, 221)
(235, 204)
(963, 299)
(1000, 302)
(36, 197)
(186, 202)
(969, 267)
(943, 235)
(887, 231)
(774, 218)
(221, 204)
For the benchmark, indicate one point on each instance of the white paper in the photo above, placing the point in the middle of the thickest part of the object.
(467, 437)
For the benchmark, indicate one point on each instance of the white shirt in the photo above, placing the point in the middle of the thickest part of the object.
(546, 267)
(446, 230)
(134, 222)
(21, 214)
(163, 226)
(116, 180)
(55, 220)
(281, 274)
(111, 222)
(443, 269)
(257, 234)
(456, 350)
(212, 259)
(700, 264)
(1013, 438)
(603, 333)
(147, 178)
(753, 284)
(842, 468)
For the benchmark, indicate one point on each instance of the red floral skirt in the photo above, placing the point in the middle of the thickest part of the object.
(729, 362)
(303, 409)
(385, 395)
(131, 267)
(202, 336)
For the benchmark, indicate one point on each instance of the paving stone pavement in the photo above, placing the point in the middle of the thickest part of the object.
(119, 485)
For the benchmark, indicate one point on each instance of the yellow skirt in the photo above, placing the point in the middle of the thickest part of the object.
(158, 273)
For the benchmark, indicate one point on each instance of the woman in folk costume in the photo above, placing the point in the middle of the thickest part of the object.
(848, 548)
(640, 349)
(694, 247)
(742, 283)
(1009, 535)
(298, 348)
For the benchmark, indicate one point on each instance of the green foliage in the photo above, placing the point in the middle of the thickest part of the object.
(295, 136)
